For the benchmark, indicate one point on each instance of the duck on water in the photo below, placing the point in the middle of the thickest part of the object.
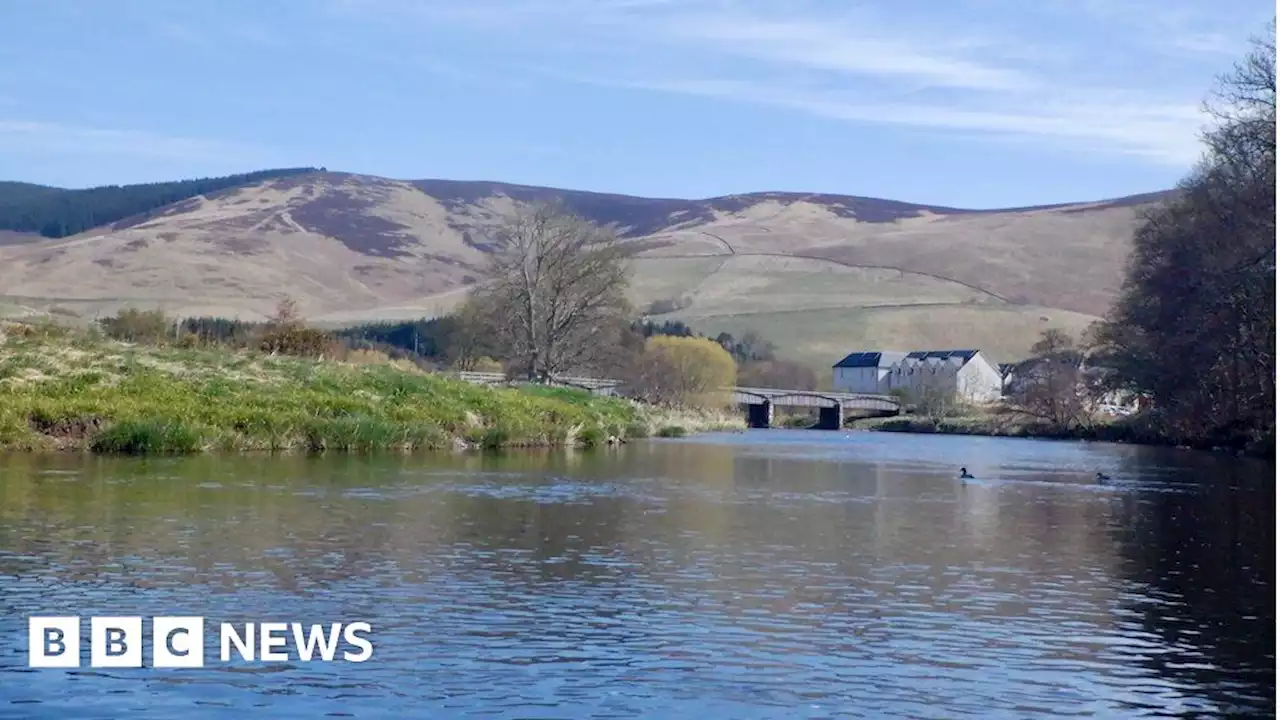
(964, 475)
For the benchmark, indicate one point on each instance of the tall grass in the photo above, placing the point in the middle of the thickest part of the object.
(75, 392)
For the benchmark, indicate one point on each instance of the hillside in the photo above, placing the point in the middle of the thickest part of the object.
(816, 274)
(58, 212)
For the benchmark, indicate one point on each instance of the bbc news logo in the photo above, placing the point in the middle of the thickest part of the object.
(179, 642)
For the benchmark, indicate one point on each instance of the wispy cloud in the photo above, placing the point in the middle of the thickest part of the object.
(1006, 76)
(1162, 134)
(26, 136)
(823, 47)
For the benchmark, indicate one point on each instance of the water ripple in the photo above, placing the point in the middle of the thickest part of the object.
(681, 581)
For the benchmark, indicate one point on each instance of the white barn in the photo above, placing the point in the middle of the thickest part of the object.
(967, 373)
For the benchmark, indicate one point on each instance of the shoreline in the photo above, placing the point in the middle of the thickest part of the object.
(1125, 431)
(67, 392)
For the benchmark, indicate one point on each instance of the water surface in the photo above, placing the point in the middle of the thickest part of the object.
(768, 574)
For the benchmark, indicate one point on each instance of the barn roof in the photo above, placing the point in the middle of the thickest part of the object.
(963, 356)
(870, 359)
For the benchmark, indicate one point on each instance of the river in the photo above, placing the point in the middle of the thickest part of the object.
(768, 574)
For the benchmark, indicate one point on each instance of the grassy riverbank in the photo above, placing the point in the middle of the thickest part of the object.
(71, 390)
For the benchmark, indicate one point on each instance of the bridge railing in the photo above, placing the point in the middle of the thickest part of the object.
(611, 386)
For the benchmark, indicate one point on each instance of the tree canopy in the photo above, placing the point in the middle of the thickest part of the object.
(1194, 328)
(682, 371)
(555, 301)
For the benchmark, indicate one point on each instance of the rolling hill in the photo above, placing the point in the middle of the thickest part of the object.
(817, 274)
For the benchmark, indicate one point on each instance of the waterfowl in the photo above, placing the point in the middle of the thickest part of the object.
(1103, 477)
(964, 474)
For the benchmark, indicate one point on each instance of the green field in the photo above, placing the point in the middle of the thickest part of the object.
(746, 284)
(816, 312)
(820, 338)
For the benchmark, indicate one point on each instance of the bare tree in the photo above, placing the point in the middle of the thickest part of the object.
(286, 314)
(1050, 386)
(556, 298)
(934, 401)
(1244, 106)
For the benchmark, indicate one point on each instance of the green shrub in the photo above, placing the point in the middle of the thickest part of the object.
(146, 437)
(592, 436)
(295, 340)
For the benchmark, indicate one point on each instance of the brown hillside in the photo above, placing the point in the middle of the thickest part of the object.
(351, 248)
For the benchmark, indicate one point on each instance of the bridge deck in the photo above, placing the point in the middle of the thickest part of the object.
(813, 398)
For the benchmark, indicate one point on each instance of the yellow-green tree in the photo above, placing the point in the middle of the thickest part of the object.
(682, 371)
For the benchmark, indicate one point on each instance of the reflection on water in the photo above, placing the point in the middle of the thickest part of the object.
(777, 574)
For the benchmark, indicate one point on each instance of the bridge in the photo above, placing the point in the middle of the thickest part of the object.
(833, 407)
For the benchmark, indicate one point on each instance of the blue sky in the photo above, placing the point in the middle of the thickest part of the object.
(972, 103)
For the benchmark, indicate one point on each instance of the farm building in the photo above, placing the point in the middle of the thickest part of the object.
(967, 373)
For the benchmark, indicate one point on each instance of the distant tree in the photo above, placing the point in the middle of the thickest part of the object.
(221, 331)
(663, 306)
(668, 327)
(1051, 384)
(681, 371)
(468, 342)
(751, 347)
(425, 338)
(287, 334)
(133, 325)
(286, 314)
(556, 299)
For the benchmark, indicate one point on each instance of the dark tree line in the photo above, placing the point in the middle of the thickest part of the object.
(219, 331)
(55, 212)
(445, 341)
(1194, 329)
